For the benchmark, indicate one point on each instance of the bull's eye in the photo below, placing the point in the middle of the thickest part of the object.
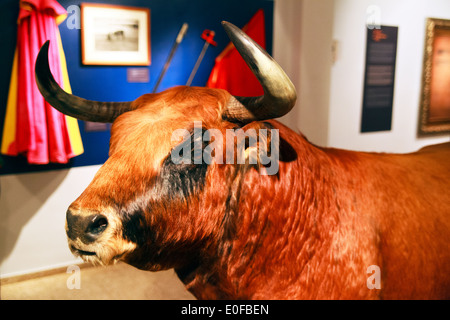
(97, 225)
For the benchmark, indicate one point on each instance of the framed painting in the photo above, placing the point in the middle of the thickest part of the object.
(435, 101)
(115, 35)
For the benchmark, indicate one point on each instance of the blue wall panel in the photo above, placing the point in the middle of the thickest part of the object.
(109, 83)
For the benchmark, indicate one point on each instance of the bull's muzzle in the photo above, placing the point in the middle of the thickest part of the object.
(86, 228)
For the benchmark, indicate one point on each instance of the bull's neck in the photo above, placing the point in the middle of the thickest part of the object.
(274, 222)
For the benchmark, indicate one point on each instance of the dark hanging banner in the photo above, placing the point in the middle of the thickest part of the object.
(379, 79)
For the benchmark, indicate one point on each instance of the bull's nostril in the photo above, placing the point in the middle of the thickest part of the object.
(97, 225)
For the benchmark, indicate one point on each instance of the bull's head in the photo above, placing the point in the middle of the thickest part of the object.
(142, 207)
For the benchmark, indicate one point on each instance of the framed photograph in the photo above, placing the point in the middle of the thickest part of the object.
(115, 35)
(435, 102)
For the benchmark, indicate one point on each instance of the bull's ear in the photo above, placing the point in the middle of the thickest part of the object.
(260, 144)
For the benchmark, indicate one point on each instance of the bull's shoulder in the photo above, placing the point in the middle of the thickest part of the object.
(436, 148)
(438, 154)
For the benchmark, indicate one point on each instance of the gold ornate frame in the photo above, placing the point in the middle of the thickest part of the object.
(427, 125)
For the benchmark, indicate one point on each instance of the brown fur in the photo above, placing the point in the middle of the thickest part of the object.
(309, 232)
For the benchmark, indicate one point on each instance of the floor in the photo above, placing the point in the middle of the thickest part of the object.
(117, 282)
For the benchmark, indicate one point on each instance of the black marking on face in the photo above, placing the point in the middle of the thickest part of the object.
(175, 182)
(134, 224)
(180, 181)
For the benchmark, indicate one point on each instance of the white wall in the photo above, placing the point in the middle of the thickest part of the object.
(329, 106)
(302, 46)
(347, 74)
(32, 217)
(286, 48)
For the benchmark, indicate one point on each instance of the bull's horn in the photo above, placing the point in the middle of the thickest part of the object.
(69, 104)
(279, 92)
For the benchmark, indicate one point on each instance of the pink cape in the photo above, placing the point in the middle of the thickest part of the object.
(41, 132)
